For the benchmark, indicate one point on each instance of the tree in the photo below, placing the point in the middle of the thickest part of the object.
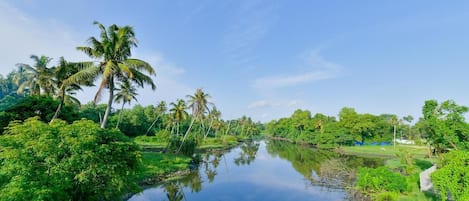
(37, 79)
(199, 105)
(114, 50)
(61, 161)
(126, 93)
(161, 109)
(66, 81)
(178, 113)
(446, 126)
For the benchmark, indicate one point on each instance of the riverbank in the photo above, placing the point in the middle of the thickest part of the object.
(402, 158)
(159, 166)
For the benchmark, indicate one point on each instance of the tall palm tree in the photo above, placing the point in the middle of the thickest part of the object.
(36, 79)
(113, 49)
(178, 113)
(66, 81)
(213, 115)
(161, 109)
(126, 93)
(199, 104)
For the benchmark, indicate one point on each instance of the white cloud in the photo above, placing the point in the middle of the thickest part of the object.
(318, 69)
(23, 35)
(259, 104)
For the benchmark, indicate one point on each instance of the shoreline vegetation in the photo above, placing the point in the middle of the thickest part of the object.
(52, 147)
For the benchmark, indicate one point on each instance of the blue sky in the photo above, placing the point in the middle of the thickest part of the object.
(266, 58)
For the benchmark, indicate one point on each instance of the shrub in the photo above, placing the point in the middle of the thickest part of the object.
(373, 180)
(61, 161)
(452, 176)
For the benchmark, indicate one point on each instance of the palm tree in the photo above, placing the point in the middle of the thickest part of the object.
(213, 115)
(178, 113)
(199, 105)
(126, 93)
(114, 50)
(66, 81)
(161, 109)
(36, 79)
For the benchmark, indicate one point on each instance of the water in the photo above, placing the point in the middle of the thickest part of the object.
(265, 170)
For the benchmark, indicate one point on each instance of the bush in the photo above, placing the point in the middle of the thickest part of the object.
(386, 196)
(61, 161)
(452, 176)
(374, 180)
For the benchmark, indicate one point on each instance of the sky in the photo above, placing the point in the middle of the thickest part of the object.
(266, 58)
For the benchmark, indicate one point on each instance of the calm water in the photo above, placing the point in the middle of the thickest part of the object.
(265, 170)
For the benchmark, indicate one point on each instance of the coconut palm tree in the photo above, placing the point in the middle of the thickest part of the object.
(113, 49)
(36, 79)
(213, 115)
(199, 104)
(178, 113)
(161, 109)
(67, 83)
(125, 94)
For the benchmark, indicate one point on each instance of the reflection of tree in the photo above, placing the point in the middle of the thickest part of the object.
(173, 192)
(248, 153)
(319, 166)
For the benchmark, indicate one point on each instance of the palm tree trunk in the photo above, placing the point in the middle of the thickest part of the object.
(208, 129)
(152, 124)
(120, 115)
(59, 108)
(109, 104)
(185, 135)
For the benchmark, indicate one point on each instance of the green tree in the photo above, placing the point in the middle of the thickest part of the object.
(125, 94)
(114, 50)
(199, 104)
(445, 124)
(61, 161)
(67, 83)
(36, 79)
(178, 113)
(161, 109)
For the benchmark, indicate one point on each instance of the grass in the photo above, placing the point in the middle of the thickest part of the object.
(419, 152)
(158, 164)
(393, 161)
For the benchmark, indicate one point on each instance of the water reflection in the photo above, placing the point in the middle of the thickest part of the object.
(248, 153)
(266, 170)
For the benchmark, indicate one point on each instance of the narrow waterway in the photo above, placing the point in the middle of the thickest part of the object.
(265, 170)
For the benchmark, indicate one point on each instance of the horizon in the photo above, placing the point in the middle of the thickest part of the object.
(265, 59)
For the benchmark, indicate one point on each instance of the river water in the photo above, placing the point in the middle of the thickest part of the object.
(263, 170)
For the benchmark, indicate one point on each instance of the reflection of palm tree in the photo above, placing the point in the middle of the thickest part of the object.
(173, 192)
(248, 153)
(126, 93)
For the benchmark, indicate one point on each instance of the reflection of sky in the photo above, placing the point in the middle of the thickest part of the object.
(266, 178)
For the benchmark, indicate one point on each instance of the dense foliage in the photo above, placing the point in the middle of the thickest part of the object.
(42, 106)
(445, 125)
(380, 179)
(452, 176)
(61, 161)
(326, 131)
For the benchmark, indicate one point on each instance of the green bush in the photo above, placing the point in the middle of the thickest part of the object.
(374, 180)
(61, 161)
(387, 196)
(452, 176)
